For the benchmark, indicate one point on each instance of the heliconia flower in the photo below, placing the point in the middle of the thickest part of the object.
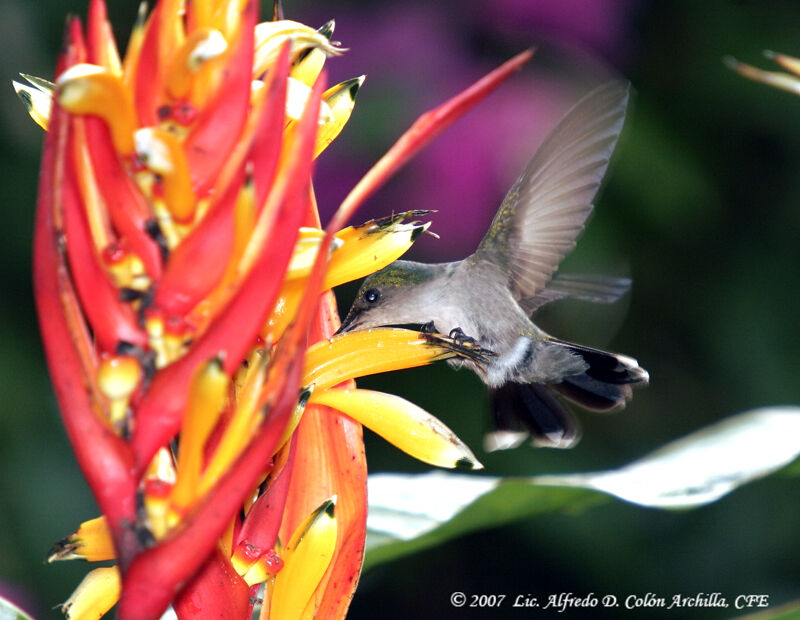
(779, 79)
(182, 283)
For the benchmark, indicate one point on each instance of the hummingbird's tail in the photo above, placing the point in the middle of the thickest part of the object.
(529, 411)
(606, 384)
(533, 410)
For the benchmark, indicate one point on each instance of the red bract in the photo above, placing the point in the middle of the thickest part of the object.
(105, 459)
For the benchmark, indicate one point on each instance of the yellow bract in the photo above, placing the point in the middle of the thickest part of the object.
(96, 594)
(37, 98)
(92, 542)
(203, 45)
(403, 424)
(306, 559)
(357, 250)
(270, 37)
(340, 99)
(163, 154)
(243, 423)
(91, 89)
(206, 398)
(357, 354)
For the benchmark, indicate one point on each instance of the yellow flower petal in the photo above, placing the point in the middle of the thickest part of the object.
(306, 559)
(403, 424)
(134, 46)
(96, 594)
(270, 36)
(37, 98)
(91, 541)
(308, 67)
(295, 418)
(357, 250)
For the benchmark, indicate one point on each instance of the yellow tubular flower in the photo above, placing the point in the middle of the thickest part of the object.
(96, 594)
(203, 45)
(91, 541)
(90, 89)
(207, 397)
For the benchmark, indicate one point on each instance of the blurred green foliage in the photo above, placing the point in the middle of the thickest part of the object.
(701, 207)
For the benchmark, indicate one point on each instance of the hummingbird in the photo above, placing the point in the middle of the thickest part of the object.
(488, 297)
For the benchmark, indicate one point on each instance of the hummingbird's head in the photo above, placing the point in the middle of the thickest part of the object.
(395, 295)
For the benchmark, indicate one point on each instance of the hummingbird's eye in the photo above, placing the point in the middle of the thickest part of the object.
(372, 295)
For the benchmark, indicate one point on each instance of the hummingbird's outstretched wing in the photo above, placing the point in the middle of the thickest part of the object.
(598, 289)
(546, 208)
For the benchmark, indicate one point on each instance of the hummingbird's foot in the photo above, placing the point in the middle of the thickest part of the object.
(464, 349)
(428, 328)
(461, 338)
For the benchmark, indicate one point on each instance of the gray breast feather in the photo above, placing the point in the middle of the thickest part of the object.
(540, 361)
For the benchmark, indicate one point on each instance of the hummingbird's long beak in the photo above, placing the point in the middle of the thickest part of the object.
(347, 325)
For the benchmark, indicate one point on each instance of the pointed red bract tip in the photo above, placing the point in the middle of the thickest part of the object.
(100, 36)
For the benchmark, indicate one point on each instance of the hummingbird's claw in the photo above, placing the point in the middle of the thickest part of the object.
(461, 338)
(428, 328)
(465, 348)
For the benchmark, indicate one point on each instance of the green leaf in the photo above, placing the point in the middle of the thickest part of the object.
(408, 513)
(704, 466)
(9, 611)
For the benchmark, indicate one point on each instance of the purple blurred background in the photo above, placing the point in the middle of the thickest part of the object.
(416, 54)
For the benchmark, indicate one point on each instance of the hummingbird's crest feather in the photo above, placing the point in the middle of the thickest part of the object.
(401, 273)
(546, 208)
